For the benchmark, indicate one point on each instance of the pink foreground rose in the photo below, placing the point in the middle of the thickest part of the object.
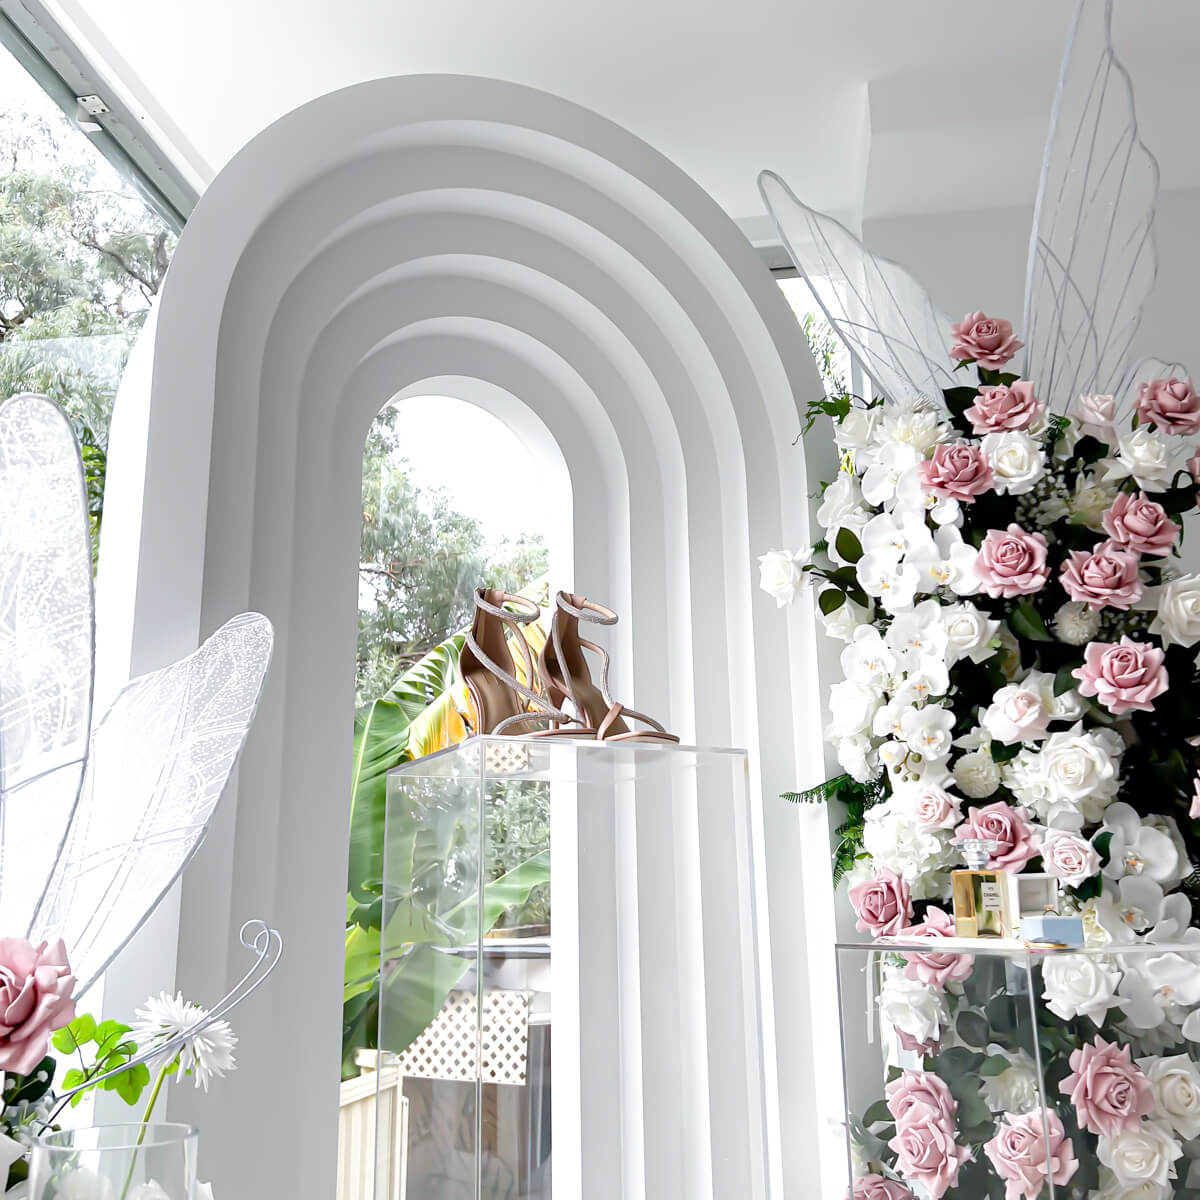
(882, 904)
(1140, 524)
(920, 1091)
(1015, 840)
(957, 471)
(1106, 578)
(988, 340)
(926, 1153)
(875, 1187)
(35, 999)
(1171, 404)
(1018, 1152)
(1012, 563)
(931, 967)
(1122, 675)
(1109, 1092)
(998, 409)
(1068, 857)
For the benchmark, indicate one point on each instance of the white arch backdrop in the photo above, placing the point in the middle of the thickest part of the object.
(398, 236)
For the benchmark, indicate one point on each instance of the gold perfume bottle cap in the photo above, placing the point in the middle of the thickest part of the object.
(977, 851)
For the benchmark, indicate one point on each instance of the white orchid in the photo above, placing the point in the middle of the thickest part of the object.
(867, 659)
(1137, 848)
(928, 731)
(884, 574)
(880, 480)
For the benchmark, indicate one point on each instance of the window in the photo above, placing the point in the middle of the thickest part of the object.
(82, 257)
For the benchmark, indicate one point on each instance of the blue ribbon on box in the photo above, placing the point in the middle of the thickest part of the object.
(1061, 931)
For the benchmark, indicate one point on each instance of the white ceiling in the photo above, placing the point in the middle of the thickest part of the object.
(867, 107)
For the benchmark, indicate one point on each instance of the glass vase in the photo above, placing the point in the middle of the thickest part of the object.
(115, 1162)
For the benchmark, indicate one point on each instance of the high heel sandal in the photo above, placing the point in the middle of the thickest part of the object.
(498, 702)
(566, 676)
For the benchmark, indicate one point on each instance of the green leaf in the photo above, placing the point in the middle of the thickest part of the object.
(972, 1028)
(994, 1064)
(848, 545)
(1101, 843)
(80, 1031)
(1026, 622)
(830, 600)
(73, 1078)
(1064, 681)
(1002, 753)
(108, 1036)
(878, 1112)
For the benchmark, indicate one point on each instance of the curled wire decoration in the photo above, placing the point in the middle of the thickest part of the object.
(261, 940)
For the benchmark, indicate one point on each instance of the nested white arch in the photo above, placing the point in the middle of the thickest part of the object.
(441, 227)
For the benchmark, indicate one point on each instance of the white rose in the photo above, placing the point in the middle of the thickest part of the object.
(1111, 1188)
(1016, 460)
(1079, 769)
(1146, 455)
(928, 731)
(915, 422)
(842, 498)
(1091, 500)
(929, 806)
(1066, 706)
(1176, 1084)
(781, 575)
(1015, 1089)
(856, 432)
(851, 706)
(1094, 416)
(976, 774)
(914, 1008)
(1076, 624)
(845, 619)
(1016, 714)
(969, 632)
(895, 841)
(1069, 857)
(1178, 619)
(1145, 1153)
(858, 757)
(1078, 985)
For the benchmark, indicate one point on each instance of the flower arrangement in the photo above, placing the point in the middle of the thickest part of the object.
(36, 1000)
(1019, 665)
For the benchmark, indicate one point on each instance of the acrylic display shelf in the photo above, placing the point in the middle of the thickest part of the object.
(611, 1048)
(1003, 1071)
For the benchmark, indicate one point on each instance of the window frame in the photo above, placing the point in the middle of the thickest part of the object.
(39, 43)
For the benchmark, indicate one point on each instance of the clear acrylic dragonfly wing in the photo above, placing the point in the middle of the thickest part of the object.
(893, 330)
(1092, 261)
(46, 638)
(160, 758)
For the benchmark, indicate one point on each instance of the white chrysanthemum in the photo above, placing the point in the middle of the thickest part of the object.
(1076, 624)
(976, 774)
(205, 1055)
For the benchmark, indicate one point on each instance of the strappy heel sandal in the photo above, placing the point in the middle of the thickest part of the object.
(498, 702)
(566, 676)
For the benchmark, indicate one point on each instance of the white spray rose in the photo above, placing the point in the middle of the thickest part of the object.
(851, 707)
(1077, 985)
(1016, 460)
(781, 573)
(1176, 1084)
(914, 1008)
(1177, 621)
(1146, 455)
(1079, 769)
(1146, 1153)
(856, 432)
(969, 632)
(842, 498)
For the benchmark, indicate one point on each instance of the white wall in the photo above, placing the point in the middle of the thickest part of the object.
(976, 260)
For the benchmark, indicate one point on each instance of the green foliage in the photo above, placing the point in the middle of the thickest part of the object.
(108, 1048)
(858, 798)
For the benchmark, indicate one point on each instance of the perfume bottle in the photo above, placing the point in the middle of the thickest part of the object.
(981, 899)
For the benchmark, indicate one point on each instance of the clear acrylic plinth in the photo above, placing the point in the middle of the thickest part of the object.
(984, 1033)
(611, 1050)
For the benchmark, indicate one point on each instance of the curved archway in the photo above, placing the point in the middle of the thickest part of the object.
(424, 227)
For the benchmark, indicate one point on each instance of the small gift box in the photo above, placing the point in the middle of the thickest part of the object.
(1053, 929)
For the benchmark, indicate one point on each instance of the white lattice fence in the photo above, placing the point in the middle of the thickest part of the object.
(448, 1047)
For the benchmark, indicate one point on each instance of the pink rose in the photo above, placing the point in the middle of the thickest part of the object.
(1012, 563)
(1015, 841)
(926, 1153)
(1000, 408)
(988, 340)
(1140, 524)
(1108, 577)
(1171, 404)
(1193, 466)
(35, 999)
(1069, 857)
(1122, 675)
(1110, 1094)
(1095, 414)
(919, 1091)
(930, 806)
(937, 969)
(957, 470)
(1018, 1152)
(1016, 714)
(882, 904)
(875, 1187)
